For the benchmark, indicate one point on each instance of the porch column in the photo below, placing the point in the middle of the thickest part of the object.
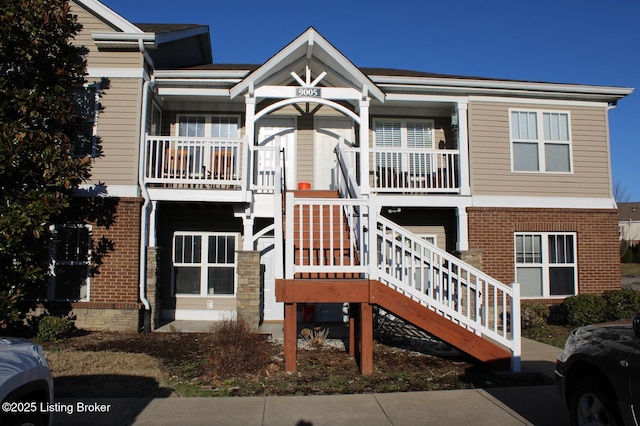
(250, 125)
(463, 229)
(463, 148)
(247, 241)
(248, 295)
(290, 336)
(152, 224)
(364, 146)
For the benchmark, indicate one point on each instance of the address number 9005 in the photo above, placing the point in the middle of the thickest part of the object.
(309, 92)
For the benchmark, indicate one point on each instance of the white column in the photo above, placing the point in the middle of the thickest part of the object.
(250, 125)
(364, 147)
(463, 147)
(152, 224)
(247, 242)
(463, 229)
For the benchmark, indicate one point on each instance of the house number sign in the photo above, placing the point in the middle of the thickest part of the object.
(309, 92)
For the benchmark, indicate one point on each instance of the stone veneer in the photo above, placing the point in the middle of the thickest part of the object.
(249, 294)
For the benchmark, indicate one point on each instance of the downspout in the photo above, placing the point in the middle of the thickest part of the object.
(144, 235)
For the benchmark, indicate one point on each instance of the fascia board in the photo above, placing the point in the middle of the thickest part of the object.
(109, 15)
(506, 86)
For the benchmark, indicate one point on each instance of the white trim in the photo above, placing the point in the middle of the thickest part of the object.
(110, 16)
(504, 85)
(125, 191)
(191, 91)
(198, 314)
(426, 98)
(542, 202)
(211, 195)
(554, 102)
(116, 72)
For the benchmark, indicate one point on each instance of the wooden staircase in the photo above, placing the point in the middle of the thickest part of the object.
(461, 305)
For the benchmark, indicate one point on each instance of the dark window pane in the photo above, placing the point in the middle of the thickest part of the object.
(187, 280)
(71, 282)
(561, 281)
(72, 244)
(220, 281)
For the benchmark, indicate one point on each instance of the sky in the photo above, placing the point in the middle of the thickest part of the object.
(592, 42)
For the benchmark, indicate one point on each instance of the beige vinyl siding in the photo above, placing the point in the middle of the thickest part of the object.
(438, 231)
(304, 150)
(118, 128)
(106, 58)
(490, 154)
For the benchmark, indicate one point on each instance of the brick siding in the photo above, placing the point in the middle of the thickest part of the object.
(491, 230)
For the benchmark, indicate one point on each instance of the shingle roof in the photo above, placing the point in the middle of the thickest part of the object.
(629, 211)
(165, 28)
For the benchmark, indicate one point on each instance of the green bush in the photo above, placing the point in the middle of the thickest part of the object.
(53, 328)
(585, 309)
(533, 317)
(621, 304)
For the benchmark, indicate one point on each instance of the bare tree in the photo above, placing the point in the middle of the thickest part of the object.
(620, 193)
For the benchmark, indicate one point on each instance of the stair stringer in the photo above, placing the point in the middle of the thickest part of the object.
(438, 326)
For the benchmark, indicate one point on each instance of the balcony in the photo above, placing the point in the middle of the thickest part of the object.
(194, 163)
(222, 164)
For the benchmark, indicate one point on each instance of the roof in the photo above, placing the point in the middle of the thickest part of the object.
(629, 212)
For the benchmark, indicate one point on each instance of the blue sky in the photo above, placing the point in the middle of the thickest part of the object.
(564, 41)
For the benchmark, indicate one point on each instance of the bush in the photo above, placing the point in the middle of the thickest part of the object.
(53, 328)
(237, 349)
(585, 309)
(621, 304)
(533, 317)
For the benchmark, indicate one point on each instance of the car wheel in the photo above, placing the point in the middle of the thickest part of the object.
(592, 405)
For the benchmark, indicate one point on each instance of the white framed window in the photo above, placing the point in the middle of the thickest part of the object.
(86, 104)
(540, 141)
(407, 134)
(546, 264)
(204, 263)
(70, 262)
(209, 126)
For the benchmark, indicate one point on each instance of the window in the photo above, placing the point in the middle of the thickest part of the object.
(204, 263)
(409, 134)
(211, 126)
(540, 142)
(86, 102)
(546, 264)
(71, 262)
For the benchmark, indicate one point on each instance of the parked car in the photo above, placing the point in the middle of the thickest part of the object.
(26, 384)
(599, 374)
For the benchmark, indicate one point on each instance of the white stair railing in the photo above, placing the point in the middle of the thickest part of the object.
(405, 262)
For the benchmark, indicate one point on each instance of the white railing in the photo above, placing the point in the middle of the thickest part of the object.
(447, 285)
(195, 161)
(265, 162)
(323, 234)
(415, 170)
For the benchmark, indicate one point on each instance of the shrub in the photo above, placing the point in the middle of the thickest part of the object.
(558, 314)
(237, 349)
(54, 329)
(585, 309)
(621, 304)
(533, 317)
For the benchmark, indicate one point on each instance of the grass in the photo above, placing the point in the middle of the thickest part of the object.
(630, 269)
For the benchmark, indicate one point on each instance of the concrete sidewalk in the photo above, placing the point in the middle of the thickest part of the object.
(525, 405)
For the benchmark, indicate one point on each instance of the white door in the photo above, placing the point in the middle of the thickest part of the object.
(277, 132)
(272, 310)
(329, 131)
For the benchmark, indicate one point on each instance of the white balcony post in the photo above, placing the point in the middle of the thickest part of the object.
(288, 249)
(372, 252)
(463, 229)
(463, 147)
(364, 147)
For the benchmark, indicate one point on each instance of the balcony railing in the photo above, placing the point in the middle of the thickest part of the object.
(197, 162)
(414, 170)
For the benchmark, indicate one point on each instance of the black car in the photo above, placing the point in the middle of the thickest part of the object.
(599, 374)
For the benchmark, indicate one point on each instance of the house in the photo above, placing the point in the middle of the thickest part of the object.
(254, 189)
(629, 222)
